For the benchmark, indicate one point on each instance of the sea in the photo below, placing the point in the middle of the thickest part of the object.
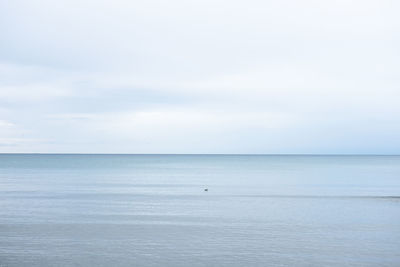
(199, 210)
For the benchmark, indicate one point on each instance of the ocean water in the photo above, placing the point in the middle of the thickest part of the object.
(152, 210)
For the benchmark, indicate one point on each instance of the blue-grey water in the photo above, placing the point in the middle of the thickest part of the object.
(152, 210)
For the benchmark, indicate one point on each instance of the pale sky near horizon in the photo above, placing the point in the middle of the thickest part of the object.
(204, 76)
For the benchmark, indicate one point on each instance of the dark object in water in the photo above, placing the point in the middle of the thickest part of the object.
(206, 189)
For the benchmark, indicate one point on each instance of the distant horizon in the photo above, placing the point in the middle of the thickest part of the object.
(197, 154)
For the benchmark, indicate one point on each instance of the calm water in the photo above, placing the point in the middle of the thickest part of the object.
(152, 210)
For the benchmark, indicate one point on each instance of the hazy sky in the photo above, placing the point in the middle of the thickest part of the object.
(209, 76)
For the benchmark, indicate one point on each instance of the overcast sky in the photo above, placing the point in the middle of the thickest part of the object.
(209, 76)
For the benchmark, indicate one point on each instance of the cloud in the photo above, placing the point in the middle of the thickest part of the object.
(12, 135)
(31, 92)
(191, 38)
(19, 83)
(179, 130)
(200, 76)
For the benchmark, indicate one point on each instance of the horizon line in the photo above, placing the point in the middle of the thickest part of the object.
(200, 154)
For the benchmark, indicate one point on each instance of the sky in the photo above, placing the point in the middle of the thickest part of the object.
(209, 76)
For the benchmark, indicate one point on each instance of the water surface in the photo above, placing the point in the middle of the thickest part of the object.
(152, 210)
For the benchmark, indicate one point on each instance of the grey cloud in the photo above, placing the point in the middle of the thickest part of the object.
(110, 76)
